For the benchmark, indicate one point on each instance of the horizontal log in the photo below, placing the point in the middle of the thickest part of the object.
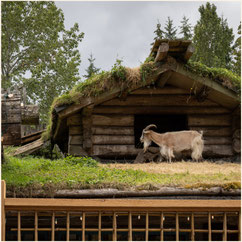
(75, 130)
(111, 139)
(112, 130)
(217, 151)
(209, 120)
(113, 120)
(237, 145)
(76, 150)
(75, 140)
(117, 150)
(217, 140)
(159, 110)
(74, 120)
(159, 100)
(11, 134)
(11, 117)
(30, 114)
(158, 91)
(214, 131)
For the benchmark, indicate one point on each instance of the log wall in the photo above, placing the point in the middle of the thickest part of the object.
(112, 129)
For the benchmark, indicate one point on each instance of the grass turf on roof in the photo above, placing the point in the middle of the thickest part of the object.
(130, 78)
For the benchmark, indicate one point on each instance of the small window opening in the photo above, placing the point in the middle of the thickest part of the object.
(164, 123)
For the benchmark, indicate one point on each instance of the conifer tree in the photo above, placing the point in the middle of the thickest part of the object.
(212, 38)
(170, 30)
(91, 70)
(186, 29)
(237, 53)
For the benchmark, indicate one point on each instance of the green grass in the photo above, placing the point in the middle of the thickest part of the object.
(29, 173)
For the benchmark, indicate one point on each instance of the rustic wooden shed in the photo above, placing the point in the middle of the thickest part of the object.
(174, 97)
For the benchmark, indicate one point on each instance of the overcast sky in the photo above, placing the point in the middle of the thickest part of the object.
(125, 29)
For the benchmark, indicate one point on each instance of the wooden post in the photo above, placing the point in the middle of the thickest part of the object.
(192, 228)
(87, 128)
(36, 226)
(83, 226)
(19, 226)
(177, 227)
(114, 227)
(209, 227)
(68, 226)
(53, 227)
(147, 227)
(225, 227)
(162, 226)
(130, 227)
(3, 215)
(239, 226)
(99, 226)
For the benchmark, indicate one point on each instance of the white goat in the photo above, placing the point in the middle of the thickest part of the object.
(174, 142)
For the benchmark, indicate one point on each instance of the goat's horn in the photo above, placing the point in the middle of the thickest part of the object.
(149, 126)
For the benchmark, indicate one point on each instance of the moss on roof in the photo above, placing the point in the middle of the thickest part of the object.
(129, 79)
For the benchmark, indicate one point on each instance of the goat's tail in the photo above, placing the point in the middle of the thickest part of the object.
(197, 148)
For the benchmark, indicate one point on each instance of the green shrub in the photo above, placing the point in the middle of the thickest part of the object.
(82, 161)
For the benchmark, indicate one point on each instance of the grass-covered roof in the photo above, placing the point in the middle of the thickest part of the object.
(127, 79)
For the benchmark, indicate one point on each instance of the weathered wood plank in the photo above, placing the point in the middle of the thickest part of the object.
(217, 140)
(209, 120)
(30, 115)
(115, 150)
(159, 110)
(162, 100)
(162, 52)
(111, 139)
(11, 134)
(74, 120)
(113, 120)
(75, 140)
(158, 90)
(87, 128)
(217, 150)
(112, 130)
(214, 131)
(190, 50)
(75, 130)
(76, 150)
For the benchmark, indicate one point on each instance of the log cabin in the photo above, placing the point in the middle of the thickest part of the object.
(174, 96)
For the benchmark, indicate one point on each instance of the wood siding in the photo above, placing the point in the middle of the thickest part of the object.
(112, 132)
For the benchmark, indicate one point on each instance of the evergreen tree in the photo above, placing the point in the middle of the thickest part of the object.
(237, 53)
(91, 70)
(212, 38)
(170, 31)
(186, 29)
(158, 32)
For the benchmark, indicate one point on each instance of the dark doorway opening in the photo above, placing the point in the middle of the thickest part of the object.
(164, 123)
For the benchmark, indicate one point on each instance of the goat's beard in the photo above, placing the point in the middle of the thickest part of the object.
(146, 144)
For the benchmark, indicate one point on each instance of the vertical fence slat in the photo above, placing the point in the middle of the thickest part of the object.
(53, 227)
(192, 228)
(161, 226)
(19, 226)
(225, 227)
(36, 226)
(99, 226)
(209, 227)
(68, 226)
(177, 227)
(83, 226)
(147, 227)
(239, 224)
(130, 227)
(114, 227)
(3, 215)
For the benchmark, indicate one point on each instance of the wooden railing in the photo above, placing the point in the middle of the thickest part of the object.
(120, 217)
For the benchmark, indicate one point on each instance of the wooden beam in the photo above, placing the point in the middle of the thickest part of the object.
(163, 79)
(157, 90)
(99, 150)
(44, 204)
(214, 131)
(87, 128)
(189, 52)
(162, 52)
(102, 130)
(113, 120)
(159, 110)
(209, 120)
(113, 139)
(218, 151)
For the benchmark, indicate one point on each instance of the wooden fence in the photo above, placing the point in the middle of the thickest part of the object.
(120, 219)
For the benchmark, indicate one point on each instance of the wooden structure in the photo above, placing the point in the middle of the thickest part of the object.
(15, 114)
(109, 126)
(114, 219)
